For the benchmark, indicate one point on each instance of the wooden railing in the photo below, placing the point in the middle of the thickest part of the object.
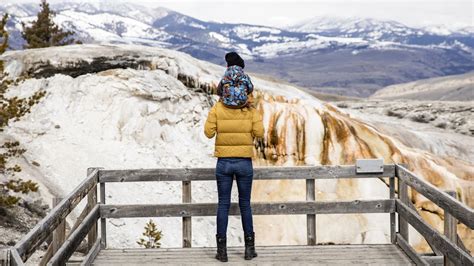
(186, 209)
(85, 224)
(442, 245)
(446, 244)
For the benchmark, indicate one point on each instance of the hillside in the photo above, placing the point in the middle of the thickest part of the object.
(118, 106)
(449, 88)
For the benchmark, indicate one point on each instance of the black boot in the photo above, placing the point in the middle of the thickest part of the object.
(221, 248)
(250, 247)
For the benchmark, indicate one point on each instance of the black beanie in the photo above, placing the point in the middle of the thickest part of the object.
(234, 59)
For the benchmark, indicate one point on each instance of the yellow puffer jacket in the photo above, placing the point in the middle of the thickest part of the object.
(235, 128)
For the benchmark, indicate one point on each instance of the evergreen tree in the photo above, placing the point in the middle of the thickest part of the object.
(12, 109)
(151, 236)
(43, 32)
(3, 37)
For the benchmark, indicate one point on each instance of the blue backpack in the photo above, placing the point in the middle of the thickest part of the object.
(236, 86)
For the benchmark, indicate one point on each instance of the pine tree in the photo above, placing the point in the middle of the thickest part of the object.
(151, 235)
(43, 32)
(3, 37)
(12, 109)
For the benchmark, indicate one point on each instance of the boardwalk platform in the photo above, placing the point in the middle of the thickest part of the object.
(386, 254)
(447, 247)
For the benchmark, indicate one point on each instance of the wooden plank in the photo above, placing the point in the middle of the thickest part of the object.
(403, 244)
(28, 244)
(260, 173)
(277, 253)
(326, 248)
(74, 239)
(15, 259)
(433, 248)
(59, 235)
(209, 209)
(460, 211)
(79, 219)
(91, 203)
(440, 241)
(92, 254)
(187, 227)
(291, 260)
(103, 222)
(392, 214)
(434, 260)
(274, 253)
(310, 218)
(461, 244)
(238, 260)
(4, 256)
(277, 256)
(402, 222)
(294, 255)
(46, 256)
(450, 229)
(323, 248)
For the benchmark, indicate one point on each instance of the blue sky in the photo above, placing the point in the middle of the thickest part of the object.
(448, 13)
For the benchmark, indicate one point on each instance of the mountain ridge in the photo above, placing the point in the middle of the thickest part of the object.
(447, 88)
(397, 58)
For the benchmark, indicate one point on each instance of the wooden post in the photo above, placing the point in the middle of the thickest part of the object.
(103, 225)
(310, 218)
(59, 233)
(450, 229)
(91, 202)
(393, 238)
(187, 233)
(15, 259)
(4, 257)
(58, 238)
(403, 195)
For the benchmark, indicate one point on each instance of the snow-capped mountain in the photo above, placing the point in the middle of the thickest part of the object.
(128, 106)
(343, 51)
(126, 22)
(390, 31)
(382, 30)
(356, 27)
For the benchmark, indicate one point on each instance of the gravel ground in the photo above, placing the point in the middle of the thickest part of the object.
(443, 128)
(455, 117)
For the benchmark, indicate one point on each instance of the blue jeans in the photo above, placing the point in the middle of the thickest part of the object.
(225, 170)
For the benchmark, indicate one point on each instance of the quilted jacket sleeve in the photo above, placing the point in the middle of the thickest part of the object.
(257, 125)
(210, 128)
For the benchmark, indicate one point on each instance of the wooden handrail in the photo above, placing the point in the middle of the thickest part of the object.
(462, 212)
(258, 208)
(45, 227)
(403, 244)
(74, 240)
(434, 237)
(92, 254)
(260, 173)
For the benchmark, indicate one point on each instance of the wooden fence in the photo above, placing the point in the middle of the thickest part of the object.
(447, 246)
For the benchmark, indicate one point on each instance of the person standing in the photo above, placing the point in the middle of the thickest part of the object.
(235, 123)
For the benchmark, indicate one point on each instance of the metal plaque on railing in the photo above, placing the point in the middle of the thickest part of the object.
(369, 166)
